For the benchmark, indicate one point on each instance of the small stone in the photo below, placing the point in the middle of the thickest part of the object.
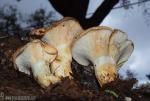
(2, 44)
(128, 99)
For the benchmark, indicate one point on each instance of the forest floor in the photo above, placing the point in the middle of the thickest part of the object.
(16, 86)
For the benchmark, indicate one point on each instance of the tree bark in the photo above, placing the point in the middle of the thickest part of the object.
(78, 9)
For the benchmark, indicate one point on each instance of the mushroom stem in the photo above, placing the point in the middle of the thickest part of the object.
(105, 70)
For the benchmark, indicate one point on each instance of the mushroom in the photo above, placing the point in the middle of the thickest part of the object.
(61, 35)
(36, 56)
(106, 48)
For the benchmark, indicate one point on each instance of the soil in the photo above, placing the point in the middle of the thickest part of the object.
(17, 86)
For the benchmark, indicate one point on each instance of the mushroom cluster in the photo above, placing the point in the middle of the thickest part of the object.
(50, 58)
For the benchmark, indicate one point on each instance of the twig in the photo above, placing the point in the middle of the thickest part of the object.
(2, 37)
(130, 4)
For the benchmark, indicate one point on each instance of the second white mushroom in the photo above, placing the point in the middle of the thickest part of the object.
(107, 49)
(61, 35)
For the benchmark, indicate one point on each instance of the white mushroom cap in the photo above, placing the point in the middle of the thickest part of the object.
(61, 35)
(106, 48)
(120, 48)
(92, 44)
(36, 56)
(63, 32)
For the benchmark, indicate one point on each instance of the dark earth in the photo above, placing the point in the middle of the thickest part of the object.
(83, 87)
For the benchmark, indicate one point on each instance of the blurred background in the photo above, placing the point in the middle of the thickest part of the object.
(19, 17)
